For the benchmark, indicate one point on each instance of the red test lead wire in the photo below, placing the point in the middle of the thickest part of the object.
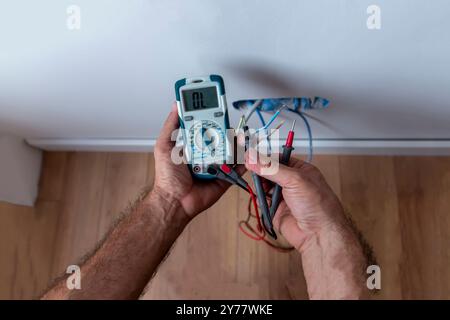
(234, 175)
(255, 204)
(245, 226)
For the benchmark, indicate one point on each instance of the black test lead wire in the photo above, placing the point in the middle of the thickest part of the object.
(286, 155)
(260, 194)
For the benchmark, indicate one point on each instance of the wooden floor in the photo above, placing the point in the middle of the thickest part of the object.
(401, 204)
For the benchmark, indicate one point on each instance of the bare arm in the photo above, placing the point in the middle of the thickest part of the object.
(130, 254)
(334, 263)
(124, 263)
(312, 219)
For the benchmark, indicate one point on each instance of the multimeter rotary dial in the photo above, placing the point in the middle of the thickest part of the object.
(207, 141)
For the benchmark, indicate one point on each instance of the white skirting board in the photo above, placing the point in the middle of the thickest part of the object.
(430, 147)
(20, 168)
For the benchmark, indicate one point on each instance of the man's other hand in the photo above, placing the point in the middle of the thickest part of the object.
(309, 205)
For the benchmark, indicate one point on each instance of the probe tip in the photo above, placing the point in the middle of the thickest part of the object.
(293, 125)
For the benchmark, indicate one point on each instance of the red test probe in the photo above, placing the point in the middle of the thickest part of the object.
(287, 149)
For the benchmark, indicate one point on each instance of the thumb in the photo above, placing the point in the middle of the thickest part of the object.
(284, 176)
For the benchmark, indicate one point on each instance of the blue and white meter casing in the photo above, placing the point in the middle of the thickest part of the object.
(203, 115)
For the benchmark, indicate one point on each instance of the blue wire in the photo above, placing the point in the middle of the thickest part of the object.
(263, 123)
(258, 112)
(300, 114)
(264, 127)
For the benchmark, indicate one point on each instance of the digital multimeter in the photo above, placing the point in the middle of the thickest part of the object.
(203, 115)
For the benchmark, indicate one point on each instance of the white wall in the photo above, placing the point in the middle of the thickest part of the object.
(114, 77)
(20, 167)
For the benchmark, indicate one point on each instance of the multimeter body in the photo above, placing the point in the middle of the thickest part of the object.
(203, 115)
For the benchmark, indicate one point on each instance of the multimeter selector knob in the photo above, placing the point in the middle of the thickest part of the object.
(206, 136)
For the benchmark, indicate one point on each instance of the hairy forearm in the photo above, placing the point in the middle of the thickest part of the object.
(130, 254)
(334, 263)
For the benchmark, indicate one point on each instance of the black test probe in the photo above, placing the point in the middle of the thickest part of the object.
(287, 150)
(261, 195)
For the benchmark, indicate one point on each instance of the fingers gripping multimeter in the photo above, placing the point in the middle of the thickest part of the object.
(203, 115)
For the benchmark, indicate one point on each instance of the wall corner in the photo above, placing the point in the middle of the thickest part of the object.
(20, 169)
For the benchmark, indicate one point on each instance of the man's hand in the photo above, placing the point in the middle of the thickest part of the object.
(131, 252)
(312, 219)
(174, 182)
(309, 205)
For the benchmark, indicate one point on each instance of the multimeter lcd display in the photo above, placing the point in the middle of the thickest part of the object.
(199, 99)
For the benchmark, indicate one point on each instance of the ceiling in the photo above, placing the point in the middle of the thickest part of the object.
(114, 77)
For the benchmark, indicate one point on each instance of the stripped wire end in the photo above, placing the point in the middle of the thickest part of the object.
(272, 131)
(241, 123)
(264, 127)
(276, 128)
